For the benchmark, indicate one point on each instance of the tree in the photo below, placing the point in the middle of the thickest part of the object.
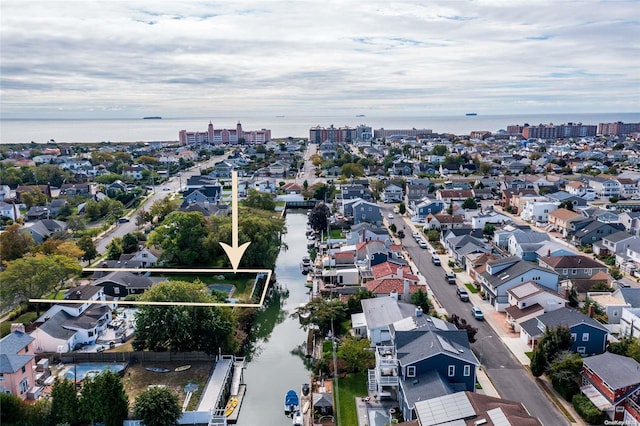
(161, 209)
(53, 246)
(316, 159)
(324, 313)
(65, 407)
(402, 209)
(158, 406)
(13, 409)
(354, 305)
(181, 237)
(470, 204)
(259, 200)
(86, 244)
(103, 399)
(421, 299)
(319, 217)
(350, 170)
(567, 204)
(179, 328)
(34, 276)
(356, 354)
(76, 223)
(489, 229)
(114, 248)
(129, 243)
(462, 324)
(563, 373)
(14, 243)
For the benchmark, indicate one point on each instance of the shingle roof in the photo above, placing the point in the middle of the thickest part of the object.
(416, 345)
(10, 363)
(14, 342)
(616, 370)
(568, 317)
(577, 261)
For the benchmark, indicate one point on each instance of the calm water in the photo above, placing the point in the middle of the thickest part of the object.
(133, 130)
(276, 365)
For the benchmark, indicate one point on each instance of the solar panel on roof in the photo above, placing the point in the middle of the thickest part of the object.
(446, 345)
(447, 408)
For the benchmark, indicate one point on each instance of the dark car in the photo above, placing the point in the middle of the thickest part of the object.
(124, 220)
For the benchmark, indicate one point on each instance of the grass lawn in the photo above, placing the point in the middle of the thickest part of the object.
(349, 388)
(472, 288)
(26, 319)
(335, 234)
(243, 283)
(136, 379)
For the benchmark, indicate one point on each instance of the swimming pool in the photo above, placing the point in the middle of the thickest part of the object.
(90, 369)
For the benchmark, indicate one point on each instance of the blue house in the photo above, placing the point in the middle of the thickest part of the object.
(417, 356)
(427, 207)
(208, 194)
(588, 335)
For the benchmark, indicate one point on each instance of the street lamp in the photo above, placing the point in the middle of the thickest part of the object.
(482, 346)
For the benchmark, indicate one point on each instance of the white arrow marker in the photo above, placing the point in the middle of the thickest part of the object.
(234, 252)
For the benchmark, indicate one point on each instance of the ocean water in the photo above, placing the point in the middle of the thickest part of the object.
(166, 129)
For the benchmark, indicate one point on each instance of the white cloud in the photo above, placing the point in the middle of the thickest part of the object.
(126, 58)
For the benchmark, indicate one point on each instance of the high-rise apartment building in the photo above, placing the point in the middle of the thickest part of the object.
(215, 136)
(551, 131)
(618, 128)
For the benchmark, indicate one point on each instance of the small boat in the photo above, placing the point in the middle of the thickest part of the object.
(183, 367)
(360, 115)
(291, 402)
(297, 419)
(231, 406)
(155, 117)
(471, 114)
(305, 389)
(306, 407)
(157, 369)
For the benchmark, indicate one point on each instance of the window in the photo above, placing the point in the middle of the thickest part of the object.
(574, 337)
(467, 370)
(585, 337)
(411, 371)
(90, 333)
(24, 386)
(581, 349)
(116, 290)
(24, 369)
(451, 371)
(574, 271)
(588, 271)
(1, 377)
(565, 271)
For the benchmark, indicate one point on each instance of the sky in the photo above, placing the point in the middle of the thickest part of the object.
(127, 59)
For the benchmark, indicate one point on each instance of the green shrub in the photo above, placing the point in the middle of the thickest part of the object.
(587, 410)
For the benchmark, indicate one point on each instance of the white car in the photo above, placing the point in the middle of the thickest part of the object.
(390, 215)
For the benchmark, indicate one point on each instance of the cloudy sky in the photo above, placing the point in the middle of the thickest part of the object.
(121, 59)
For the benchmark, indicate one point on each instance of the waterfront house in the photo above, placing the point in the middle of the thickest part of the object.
(124, 283)
(588, 335)
(17, 363)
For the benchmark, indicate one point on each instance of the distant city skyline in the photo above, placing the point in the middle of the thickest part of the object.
(117, 59)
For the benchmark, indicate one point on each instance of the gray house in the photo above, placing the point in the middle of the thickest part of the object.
(573, 267)
(595, 231)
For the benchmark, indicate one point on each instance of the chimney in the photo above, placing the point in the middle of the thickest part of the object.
(591, 311)
(566, 292)
(17, 327)
(400, 272)
(405, 296)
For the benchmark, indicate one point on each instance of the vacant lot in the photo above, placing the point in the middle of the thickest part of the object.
(136, 379)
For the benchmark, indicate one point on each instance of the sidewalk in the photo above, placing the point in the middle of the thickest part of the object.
(510, 338)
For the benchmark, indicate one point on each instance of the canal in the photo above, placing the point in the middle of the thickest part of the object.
(277, 364)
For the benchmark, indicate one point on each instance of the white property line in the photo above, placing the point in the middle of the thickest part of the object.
(268, 272)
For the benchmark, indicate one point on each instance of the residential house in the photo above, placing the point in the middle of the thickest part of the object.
(612, 383)
(431, 362)
(5, 192)
(631, 222)
(398, 288)
(380, 312)
(415, 193)
(448, 196)
(588, 335)
(116, 187)
(479, 220)
(392, 194)
(364, 211)
(208, 194)
(528, 300)
(629, 260)
(66, 326)
(502, 274)
(565, 197)
(461, 246)
(560, 220)
(448, 169)
(572, 267)
(613, 244)
(538, 211)
(594, 231)
(367, 231)
(123, 283)
(134, 171)
(612, 305)
(520, 200)
(599, 214)
(350, 192)
(605, 186)
(441, 221)
(553, 248)
(509, 197)
(471, 408)
(32, 189)
(10, 210)
(628, 187)
(75, 190)
(525, 244)
(427, 207)
(475, 264)
(43, 229)
(17, 363)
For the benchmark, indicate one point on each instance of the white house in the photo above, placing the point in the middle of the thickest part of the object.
(10, 210)
(479, 220)
(392, 194)
(528, 300)
(538, 211)
(630, 322)
(604, 186)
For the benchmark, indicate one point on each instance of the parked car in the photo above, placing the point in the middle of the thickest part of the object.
(422, 244)
(436, 261)
(462, 294)
(477, 313)
(390, 215)
(124, 220)
(415, 235)
(450, 277)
